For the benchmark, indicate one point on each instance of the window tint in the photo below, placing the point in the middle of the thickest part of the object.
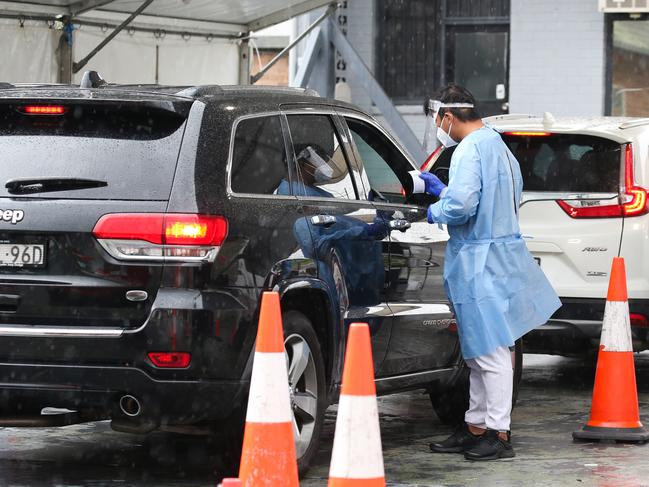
(259, 157)
(572, 163)
(321, 166)
(133, 149)
(382, 162)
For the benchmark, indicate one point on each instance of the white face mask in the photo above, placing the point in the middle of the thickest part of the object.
(445, 138)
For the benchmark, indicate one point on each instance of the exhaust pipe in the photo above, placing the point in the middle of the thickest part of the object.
(130, 406)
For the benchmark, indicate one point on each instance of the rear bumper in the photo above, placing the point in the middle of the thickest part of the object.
(576, 328)
(98, 389)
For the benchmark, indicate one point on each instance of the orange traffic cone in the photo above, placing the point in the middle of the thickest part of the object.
(357, 459)
(268, 454)
(614, 410)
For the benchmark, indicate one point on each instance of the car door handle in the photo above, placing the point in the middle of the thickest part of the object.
(323, 220)
(401, 225)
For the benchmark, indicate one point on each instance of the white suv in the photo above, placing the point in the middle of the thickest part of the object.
(584, 202)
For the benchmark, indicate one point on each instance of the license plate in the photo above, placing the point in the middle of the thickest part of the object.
(538, 260)
(22, 255)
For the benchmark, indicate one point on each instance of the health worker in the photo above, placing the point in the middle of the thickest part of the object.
(497, 290)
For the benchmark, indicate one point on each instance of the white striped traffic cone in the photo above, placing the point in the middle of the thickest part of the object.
(357, 457)
(268, 455)
(614, 410)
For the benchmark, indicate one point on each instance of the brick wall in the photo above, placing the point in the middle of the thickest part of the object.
(557, 57)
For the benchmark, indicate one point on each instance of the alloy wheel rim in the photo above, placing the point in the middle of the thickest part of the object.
(303, 390)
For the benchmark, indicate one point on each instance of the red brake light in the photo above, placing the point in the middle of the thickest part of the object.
(633, 201)
(170, 228)
(170, 360)
(637, 196)
(528, 134)
(180, 237)
(639, 321)
(604, 211)
(43, 109)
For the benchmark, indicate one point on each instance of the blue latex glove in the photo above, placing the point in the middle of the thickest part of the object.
(433, 184)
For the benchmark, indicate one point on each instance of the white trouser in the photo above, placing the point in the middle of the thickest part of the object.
(491, 387)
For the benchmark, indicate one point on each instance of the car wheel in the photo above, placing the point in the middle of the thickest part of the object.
(451, 404)
(307, 388)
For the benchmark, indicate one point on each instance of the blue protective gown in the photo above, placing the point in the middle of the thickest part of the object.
(497, 289)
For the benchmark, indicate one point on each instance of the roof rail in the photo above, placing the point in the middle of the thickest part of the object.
(634, 123)
(5, 86)
(507, 116)
(91, 79)
(201, 90)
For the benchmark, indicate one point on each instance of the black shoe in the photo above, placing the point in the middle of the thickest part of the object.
(490, 446)
(457, 442)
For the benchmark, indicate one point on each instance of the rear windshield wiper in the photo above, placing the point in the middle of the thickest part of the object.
(44, 185)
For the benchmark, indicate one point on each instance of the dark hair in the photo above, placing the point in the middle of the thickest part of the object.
(452, 93)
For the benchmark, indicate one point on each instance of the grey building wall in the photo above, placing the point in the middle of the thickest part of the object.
(557, 57)
(361, 30)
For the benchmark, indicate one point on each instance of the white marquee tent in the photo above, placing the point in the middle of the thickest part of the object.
(164, 41)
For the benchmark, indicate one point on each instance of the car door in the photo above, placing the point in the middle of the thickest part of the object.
(347, 238)
(422, 336)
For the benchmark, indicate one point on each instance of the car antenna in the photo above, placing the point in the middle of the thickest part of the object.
(91, 79)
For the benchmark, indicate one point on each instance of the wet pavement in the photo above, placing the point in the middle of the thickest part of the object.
(554, 401)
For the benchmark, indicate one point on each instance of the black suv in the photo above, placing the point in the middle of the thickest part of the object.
(140, 225)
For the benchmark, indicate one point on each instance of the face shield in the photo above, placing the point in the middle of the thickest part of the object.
(433, 109)
(313, 167)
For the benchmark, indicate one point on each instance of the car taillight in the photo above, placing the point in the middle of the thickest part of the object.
(528, 134)
(179, 237)
(639, 321)
(632, 200)
(42, 109)
(170, 360)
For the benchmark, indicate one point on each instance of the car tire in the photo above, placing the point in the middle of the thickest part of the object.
(307, 384)
(451, 404)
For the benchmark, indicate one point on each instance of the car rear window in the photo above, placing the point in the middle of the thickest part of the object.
(132, 147)
(567, 163)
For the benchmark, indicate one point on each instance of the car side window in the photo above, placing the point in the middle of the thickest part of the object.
(259, 162)
(321, 166)
(385, 167)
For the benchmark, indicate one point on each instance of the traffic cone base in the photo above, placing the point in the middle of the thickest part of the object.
(594, 433)
(614, 414)
(336, 482)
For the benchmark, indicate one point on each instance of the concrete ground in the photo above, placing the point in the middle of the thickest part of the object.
(554, 401)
